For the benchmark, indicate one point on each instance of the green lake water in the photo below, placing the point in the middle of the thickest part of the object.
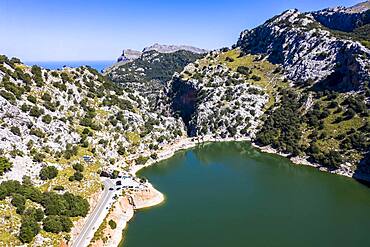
(232, 195)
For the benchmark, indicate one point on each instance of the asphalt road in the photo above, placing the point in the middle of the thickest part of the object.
(90, 225)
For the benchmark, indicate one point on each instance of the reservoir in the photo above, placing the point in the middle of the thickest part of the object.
(232, 195)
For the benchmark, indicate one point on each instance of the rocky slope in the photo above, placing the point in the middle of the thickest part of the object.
(148, 73)
(293, 84)
(308, 93)
(173, 48)
(344, 19)
(214, 96)
(61, 117)
(309, 53)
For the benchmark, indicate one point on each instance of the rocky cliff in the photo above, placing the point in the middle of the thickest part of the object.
(309, 53)
(294, 85)
(129, 55)
(173, 48)
(344, 19)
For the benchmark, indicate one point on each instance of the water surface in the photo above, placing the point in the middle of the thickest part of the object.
(231, 195)
(54, 65)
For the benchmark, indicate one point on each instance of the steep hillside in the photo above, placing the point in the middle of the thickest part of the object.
(223, 94)
(344, 19)
(55, 119)
(148, 73)
(348, 23)
(289, 84)
(298, 85)
(310, 54)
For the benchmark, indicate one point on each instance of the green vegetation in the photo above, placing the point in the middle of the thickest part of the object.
(48, 172)
(112, 224)
(361, 34)
(8, 96)
(36, 112)
(141, 160)
(161, 67)
(37, 132)
(15, 130)
(281, 129)
(5, 165)
(47, 119)
(58, 208)
(77, 176)
(29, 229)
(57, 224)
(333, 131)
(37, 75)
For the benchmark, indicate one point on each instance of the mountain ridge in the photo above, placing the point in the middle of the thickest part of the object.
(292, 85)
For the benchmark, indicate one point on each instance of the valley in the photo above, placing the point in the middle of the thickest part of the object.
(72, 140)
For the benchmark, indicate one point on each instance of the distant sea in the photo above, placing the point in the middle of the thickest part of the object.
(98, 65)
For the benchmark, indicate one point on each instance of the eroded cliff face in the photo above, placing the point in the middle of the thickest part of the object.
(343, 19)
(213, 99)
(309, 52)
(184, 102)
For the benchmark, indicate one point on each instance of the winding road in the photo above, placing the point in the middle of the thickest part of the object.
(98, 214)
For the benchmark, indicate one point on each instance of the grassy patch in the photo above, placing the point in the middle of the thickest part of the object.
(11, 222)
(270, 82)
(133, 137)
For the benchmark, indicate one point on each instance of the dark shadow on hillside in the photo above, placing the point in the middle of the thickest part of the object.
(362, 173)
(184, 100)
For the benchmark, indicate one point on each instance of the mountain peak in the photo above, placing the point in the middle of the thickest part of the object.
(173, 48)
(361, 7)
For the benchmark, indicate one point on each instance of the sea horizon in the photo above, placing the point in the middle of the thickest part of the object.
(99, 65)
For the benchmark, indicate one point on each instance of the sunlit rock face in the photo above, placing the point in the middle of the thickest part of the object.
(309, 52)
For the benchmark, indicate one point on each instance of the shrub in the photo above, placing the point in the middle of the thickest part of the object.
(38, 157)
(48, 172)
(57, 224)
(19, 201)
(36, 213)
(77, 176)
(154, 156)
(46, 96)
(66, 204)
(8, 96)
(229, 59)
(25, 108)
(65, 78)
(37, 132)
(15, 130)
(5, 165)
(243, 70)
(112, 224)
(32, 99)
(141, 160)
(78, 167)
(47, 119)
(36, 112)
(58, 187)
(29, 229)
(255, 78)
(350, 113)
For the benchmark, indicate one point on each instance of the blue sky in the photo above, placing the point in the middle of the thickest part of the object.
(67, 30)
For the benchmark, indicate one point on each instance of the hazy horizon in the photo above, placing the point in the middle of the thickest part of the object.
(52, 31)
